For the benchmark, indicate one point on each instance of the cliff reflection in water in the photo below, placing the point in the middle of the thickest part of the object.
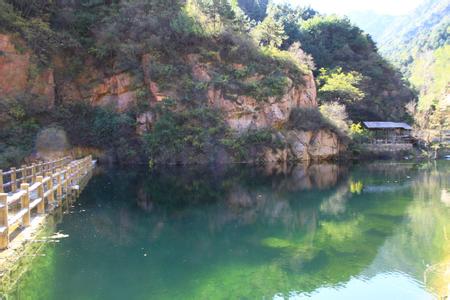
(242, 232)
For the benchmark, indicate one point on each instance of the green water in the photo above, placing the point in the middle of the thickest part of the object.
(372, 231)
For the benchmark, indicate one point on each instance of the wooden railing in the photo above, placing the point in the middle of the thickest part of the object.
(11, 180)
(42, 188)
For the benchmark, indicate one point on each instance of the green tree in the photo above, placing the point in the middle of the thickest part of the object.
(269, 32)
(291, 18)
(337, 86)
(335, 43)
(255, 9)
(218, 12)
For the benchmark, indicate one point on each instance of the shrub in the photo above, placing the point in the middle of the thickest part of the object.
(18, 130)
(240, 145)
(188, 137)
(307, 119)
(272, 85)
(359, 134)
(336, 115)
(97, 127)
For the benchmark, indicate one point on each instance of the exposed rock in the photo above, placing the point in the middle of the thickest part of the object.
(16, 72)
(144, 122)
(146, 64)
(154, 90)
(322, 144)
(247, 112)
(116, 90)
(325, 145)
(44, 85)
(200, 71)
(14, 67)
(51, 143)
(152, 86)
(276, 155)
(241, 112)
(299, 142)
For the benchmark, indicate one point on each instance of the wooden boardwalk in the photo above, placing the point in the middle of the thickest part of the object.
(37, 189)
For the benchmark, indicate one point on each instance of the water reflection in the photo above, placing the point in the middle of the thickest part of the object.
(238, 232)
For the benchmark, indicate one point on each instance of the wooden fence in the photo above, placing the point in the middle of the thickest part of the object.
(37, 188)
(10, 180)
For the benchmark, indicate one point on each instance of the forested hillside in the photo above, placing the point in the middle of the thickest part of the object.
(374, 23)
(418, 44)
(188, 81)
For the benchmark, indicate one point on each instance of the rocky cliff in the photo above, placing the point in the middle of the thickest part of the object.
(122, 90)
(20, 75)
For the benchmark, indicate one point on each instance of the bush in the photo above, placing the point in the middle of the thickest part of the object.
(241, 145)
(18, 130)
(307, 119)
(98, 127)
(336, 115)
(270, 86)
(359, 134)
(185, 137)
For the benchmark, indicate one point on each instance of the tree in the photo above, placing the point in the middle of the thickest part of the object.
(335, 43)
(269, 32)
(255, 9)
(336, 115)
(301, 56)
(337, 86)
(218, 12)
(291, 18)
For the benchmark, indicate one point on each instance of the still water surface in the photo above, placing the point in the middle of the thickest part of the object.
(371, 231)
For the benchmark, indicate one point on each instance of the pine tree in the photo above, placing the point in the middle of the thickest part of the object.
(270, 32)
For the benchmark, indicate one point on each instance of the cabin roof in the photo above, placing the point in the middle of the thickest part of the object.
(387, 125)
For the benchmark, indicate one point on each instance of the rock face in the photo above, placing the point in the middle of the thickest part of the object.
(322, 144)
(18, 75)
(317, 145)
(116, 90)
(249, 113)
(121, 89)
(144, 122)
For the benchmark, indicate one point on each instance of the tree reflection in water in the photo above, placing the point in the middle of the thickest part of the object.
(252, 232)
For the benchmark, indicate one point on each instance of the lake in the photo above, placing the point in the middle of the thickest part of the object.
(367, 231)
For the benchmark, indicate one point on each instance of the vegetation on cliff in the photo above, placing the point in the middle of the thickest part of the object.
(185, 55)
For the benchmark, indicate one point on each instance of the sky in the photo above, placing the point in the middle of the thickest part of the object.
(391, 7)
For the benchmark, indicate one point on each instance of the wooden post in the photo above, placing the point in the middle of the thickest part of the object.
(13, 180)
(4, 234)
(59, 188)
(69, 177)
(77, 173)
(40, 192)
(33, 173)
(66, 182)
(1, 181)
(51, 196)
(24, 174)
(26, 204)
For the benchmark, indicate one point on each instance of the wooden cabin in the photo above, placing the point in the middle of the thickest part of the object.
(389, 132)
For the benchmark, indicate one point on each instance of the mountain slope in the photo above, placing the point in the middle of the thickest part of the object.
(373, 23)
(419, 44)
(426, 28)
